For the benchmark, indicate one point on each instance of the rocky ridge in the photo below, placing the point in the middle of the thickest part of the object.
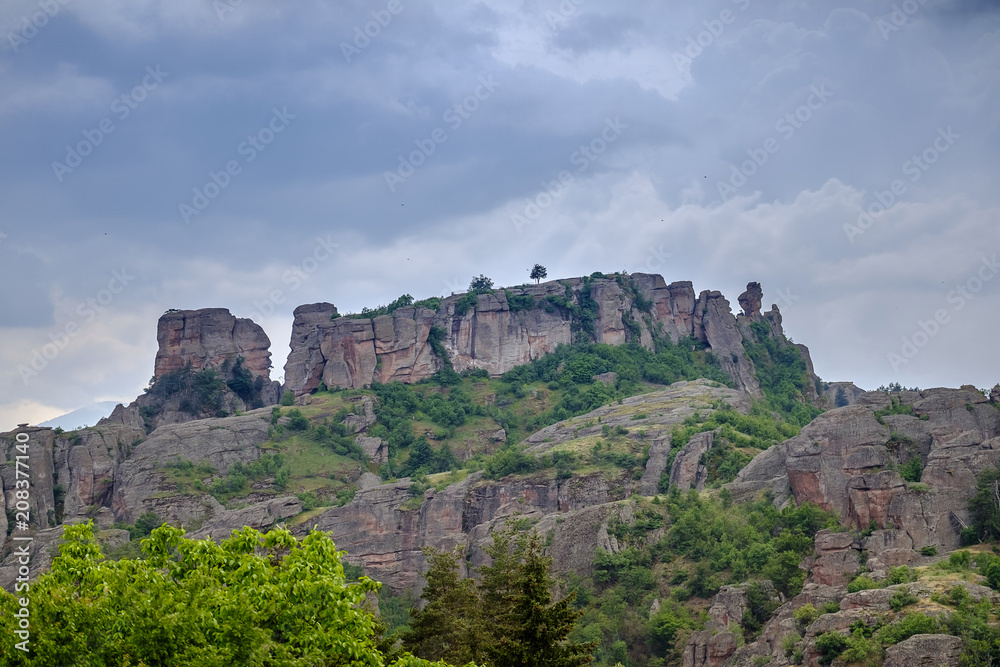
(494, 336)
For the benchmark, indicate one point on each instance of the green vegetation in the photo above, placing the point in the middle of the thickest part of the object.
(739, 437)
(370, 313)
(782, 373)
(709, 542)
(507, 619)
(984, 508)
(538, 272)
(253, 599)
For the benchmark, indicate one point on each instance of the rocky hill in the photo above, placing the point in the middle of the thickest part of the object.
(508, 327)
(572, 407)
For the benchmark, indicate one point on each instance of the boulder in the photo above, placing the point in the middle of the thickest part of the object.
(924, 651)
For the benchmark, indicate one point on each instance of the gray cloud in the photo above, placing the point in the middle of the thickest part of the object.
(650, 201)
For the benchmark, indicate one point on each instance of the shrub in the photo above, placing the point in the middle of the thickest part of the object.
(830, 607)
(862, 583)
(288, 398)
(830, 645)
(928, 551)
(901, 599)
(805, 615)
(297, 421)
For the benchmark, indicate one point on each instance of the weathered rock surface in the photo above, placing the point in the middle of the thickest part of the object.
(143, 480)
(846, 461)
(718, 642)
(260, 516)
(208, 337)
(663, 409)
(381, 531)
(924, 651)
(688, 472)
(349, 352)
(837, 558)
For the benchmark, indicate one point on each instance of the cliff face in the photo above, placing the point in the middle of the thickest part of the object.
(209, 337)
(496, 337)
(847, 460)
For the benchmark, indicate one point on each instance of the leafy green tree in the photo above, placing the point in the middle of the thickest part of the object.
(481, 285)
(538, 272)
(252, 599)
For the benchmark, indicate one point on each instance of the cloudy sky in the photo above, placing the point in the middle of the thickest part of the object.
(219, 153)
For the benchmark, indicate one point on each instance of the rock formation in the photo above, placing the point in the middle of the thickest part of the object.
(847, 461)
(209, 337)
(349, 352)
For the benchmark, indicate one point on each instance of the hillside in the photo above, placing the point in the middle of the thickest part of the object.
(667, 451)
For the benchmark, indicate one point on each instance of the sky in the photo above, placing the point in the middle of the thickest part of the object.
(257, 155)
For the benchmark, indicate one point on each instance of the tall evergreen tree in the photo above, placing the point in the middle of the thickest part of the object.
(508, 620)
(447, 627)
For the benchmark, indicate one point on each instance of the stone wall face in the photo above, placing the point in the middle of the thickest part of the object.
(351, 353)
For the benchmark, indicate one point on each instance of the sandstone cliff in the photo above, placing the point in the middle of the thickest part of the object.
(209, 337)
(847, 460)
(496, 336)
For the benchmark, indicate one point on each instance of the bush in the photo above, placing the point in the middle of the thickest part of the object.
(902, 599)
(805, 615)
(297, 421)
(288, 398)
(830, 645)
(928, 551)
(862, 583)
(509, 461)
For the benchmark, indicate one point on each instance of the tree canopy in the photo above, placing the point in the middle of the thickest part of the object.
(538, 272)
(253, 599)
(508, 619)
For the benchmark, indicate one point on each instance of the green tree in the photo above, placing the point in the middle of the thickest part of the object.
(447, 628)
(252, 599)
(538, 272)
(481, 285)
(523, 625)
(985, 508)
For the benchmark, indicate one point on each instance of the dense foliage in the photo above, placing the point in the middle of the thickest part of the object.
(507, 619)
(253, 599)
(782, 373)
(707, 542)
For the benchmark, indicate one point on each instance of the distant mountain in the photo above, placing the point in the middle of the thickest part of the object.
(86, 416)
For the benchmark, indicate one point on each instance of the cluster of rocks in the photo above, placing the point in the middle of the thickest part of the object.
(346, 352)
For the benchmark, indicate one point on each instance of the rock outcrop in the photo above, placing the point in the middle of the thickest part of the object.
(495, 336)
(209, 337)
(924, 651)
(848, 460)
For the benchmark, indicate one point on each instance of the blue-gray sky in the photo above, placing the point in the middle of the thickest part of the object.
(719, 142)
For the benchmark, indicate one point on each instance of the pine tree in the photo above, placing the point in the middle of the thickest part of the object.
(527, 628)
(446, 628)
